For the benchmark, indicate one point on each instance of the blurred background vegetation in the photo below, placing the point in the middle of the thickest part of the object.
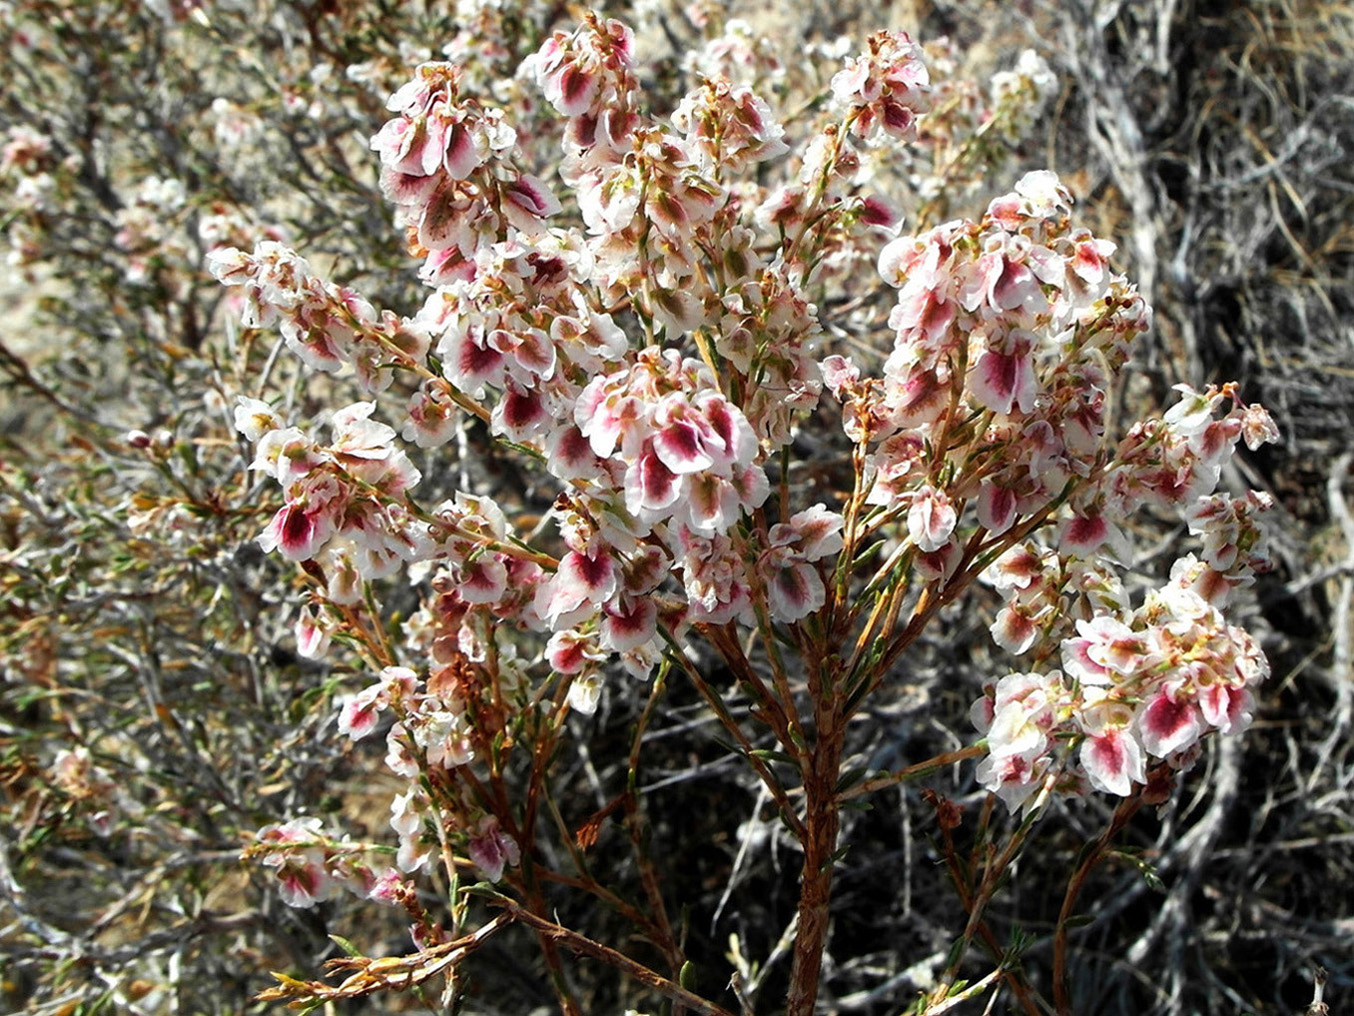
(154, 711)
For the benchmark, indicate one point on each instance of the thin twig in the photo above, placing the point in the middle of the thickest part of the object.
(584, 946)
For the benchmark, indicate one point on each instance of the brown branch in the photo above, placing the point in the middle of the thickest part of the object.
(913, 771)
(389, 973)
(822, 816)
(721, 710)
(1126, 810)
(635, 825)
(584, 946)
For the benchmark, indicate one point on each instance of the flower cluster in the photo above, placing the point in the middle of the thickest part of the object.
(1134, 687)
(84, 781)
(433, 730)
(1006, 334)
(146, 227)
(311, 867)
(688, 453)
(657, 360)
(327, 326)
(738, 53)
(446, 163)
(343, 500)
(1020, 95)
(521, 324)
(885, 89)
(30, 169)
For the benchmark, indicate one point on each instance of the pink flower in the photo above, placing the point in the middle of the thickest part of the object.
(253, 418)
(714, 504)
(1004, 375)
(817, 532)
(1021, 567)
(650, 486)
(839, 374)
(1022, 712)
(406, 818)
(629, 624)
(312, 634)
(1113, 760)
(361, 712)
(1013, 778)
(1014, 630)
(793, 587)
(1168, 721)
(1226, 707)
(931, 519)
(685, 442)
(581, 582)
(1083, 535)
(388, 887)
(492, 849)
(996, 507)
(298, 530)
(1258, 427)
(297, 851)
(484, 579)
(1105, 647)
(571, 651)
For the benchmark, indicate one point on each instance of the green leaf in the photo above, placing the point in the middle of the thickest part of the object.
(956, 950)
(851, 777)
(688, 977)
(348, 948)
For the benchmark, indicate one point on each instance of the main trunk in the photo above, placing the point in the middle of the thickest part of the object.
(815, 893)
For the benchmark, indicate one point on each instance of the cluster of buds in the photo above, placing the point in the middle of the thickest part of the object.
(28, 159)
(1135, 685)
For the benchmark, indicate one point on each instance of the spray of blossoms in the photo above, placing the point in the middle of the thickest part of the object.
(651, 342)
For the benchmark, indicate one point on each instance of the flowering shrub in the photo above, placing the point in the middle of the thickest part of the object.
(169, 690)
(643, 308)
